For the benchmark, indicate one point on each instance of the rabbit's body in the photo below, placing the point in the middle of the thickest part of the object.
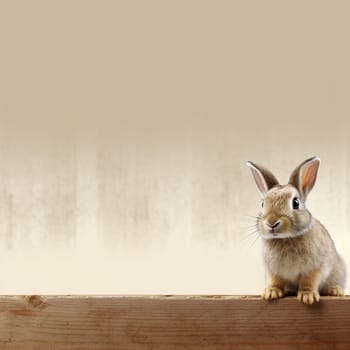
(291, 258)
(299, 254)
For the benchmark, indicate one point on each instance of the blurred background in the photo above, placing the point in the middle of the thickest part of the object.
(125, 127)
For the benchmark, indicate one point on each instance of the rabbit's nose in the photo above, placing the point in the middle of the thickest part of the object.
(274, 225)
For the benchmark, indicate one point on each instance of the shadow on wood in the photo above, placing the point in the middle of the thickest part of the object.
(172, 322)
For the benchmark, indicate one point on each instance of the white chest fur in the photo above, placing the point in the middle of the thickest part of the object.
(289, 260)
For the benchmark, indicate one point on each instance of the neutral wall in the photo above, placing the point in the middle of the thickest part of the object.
(126, 127)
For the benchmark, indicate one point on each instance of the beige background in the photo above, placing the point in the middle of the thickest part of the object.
(126, 126)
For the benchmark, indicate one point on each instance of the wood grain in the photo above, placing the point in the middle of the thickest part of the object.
(172, 322)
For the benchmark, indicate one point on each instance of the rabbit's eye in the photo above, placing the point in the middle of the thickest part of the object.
(262, 204)
(296, 203)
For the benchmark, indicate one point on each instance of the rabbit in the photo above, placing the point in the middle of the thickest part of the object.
(299, 254)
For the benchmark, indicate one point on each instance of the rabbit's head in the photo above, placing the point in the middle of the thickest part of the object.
(283, 213)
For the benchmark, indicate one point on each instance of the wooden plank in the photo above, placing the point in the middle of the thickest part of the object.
(172, 322)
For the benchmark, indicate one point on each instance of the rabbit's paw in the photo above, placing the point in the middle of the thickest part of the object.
(308, 296)
(336, 291)
(271, 293)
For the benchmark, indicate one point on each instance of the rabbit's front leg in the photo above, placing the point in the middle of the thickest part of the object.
(308, 287)
(275, 288)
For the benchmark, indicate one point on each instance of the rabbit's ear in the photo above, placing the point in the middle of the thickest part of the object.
(304, 176)
(264, 179)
